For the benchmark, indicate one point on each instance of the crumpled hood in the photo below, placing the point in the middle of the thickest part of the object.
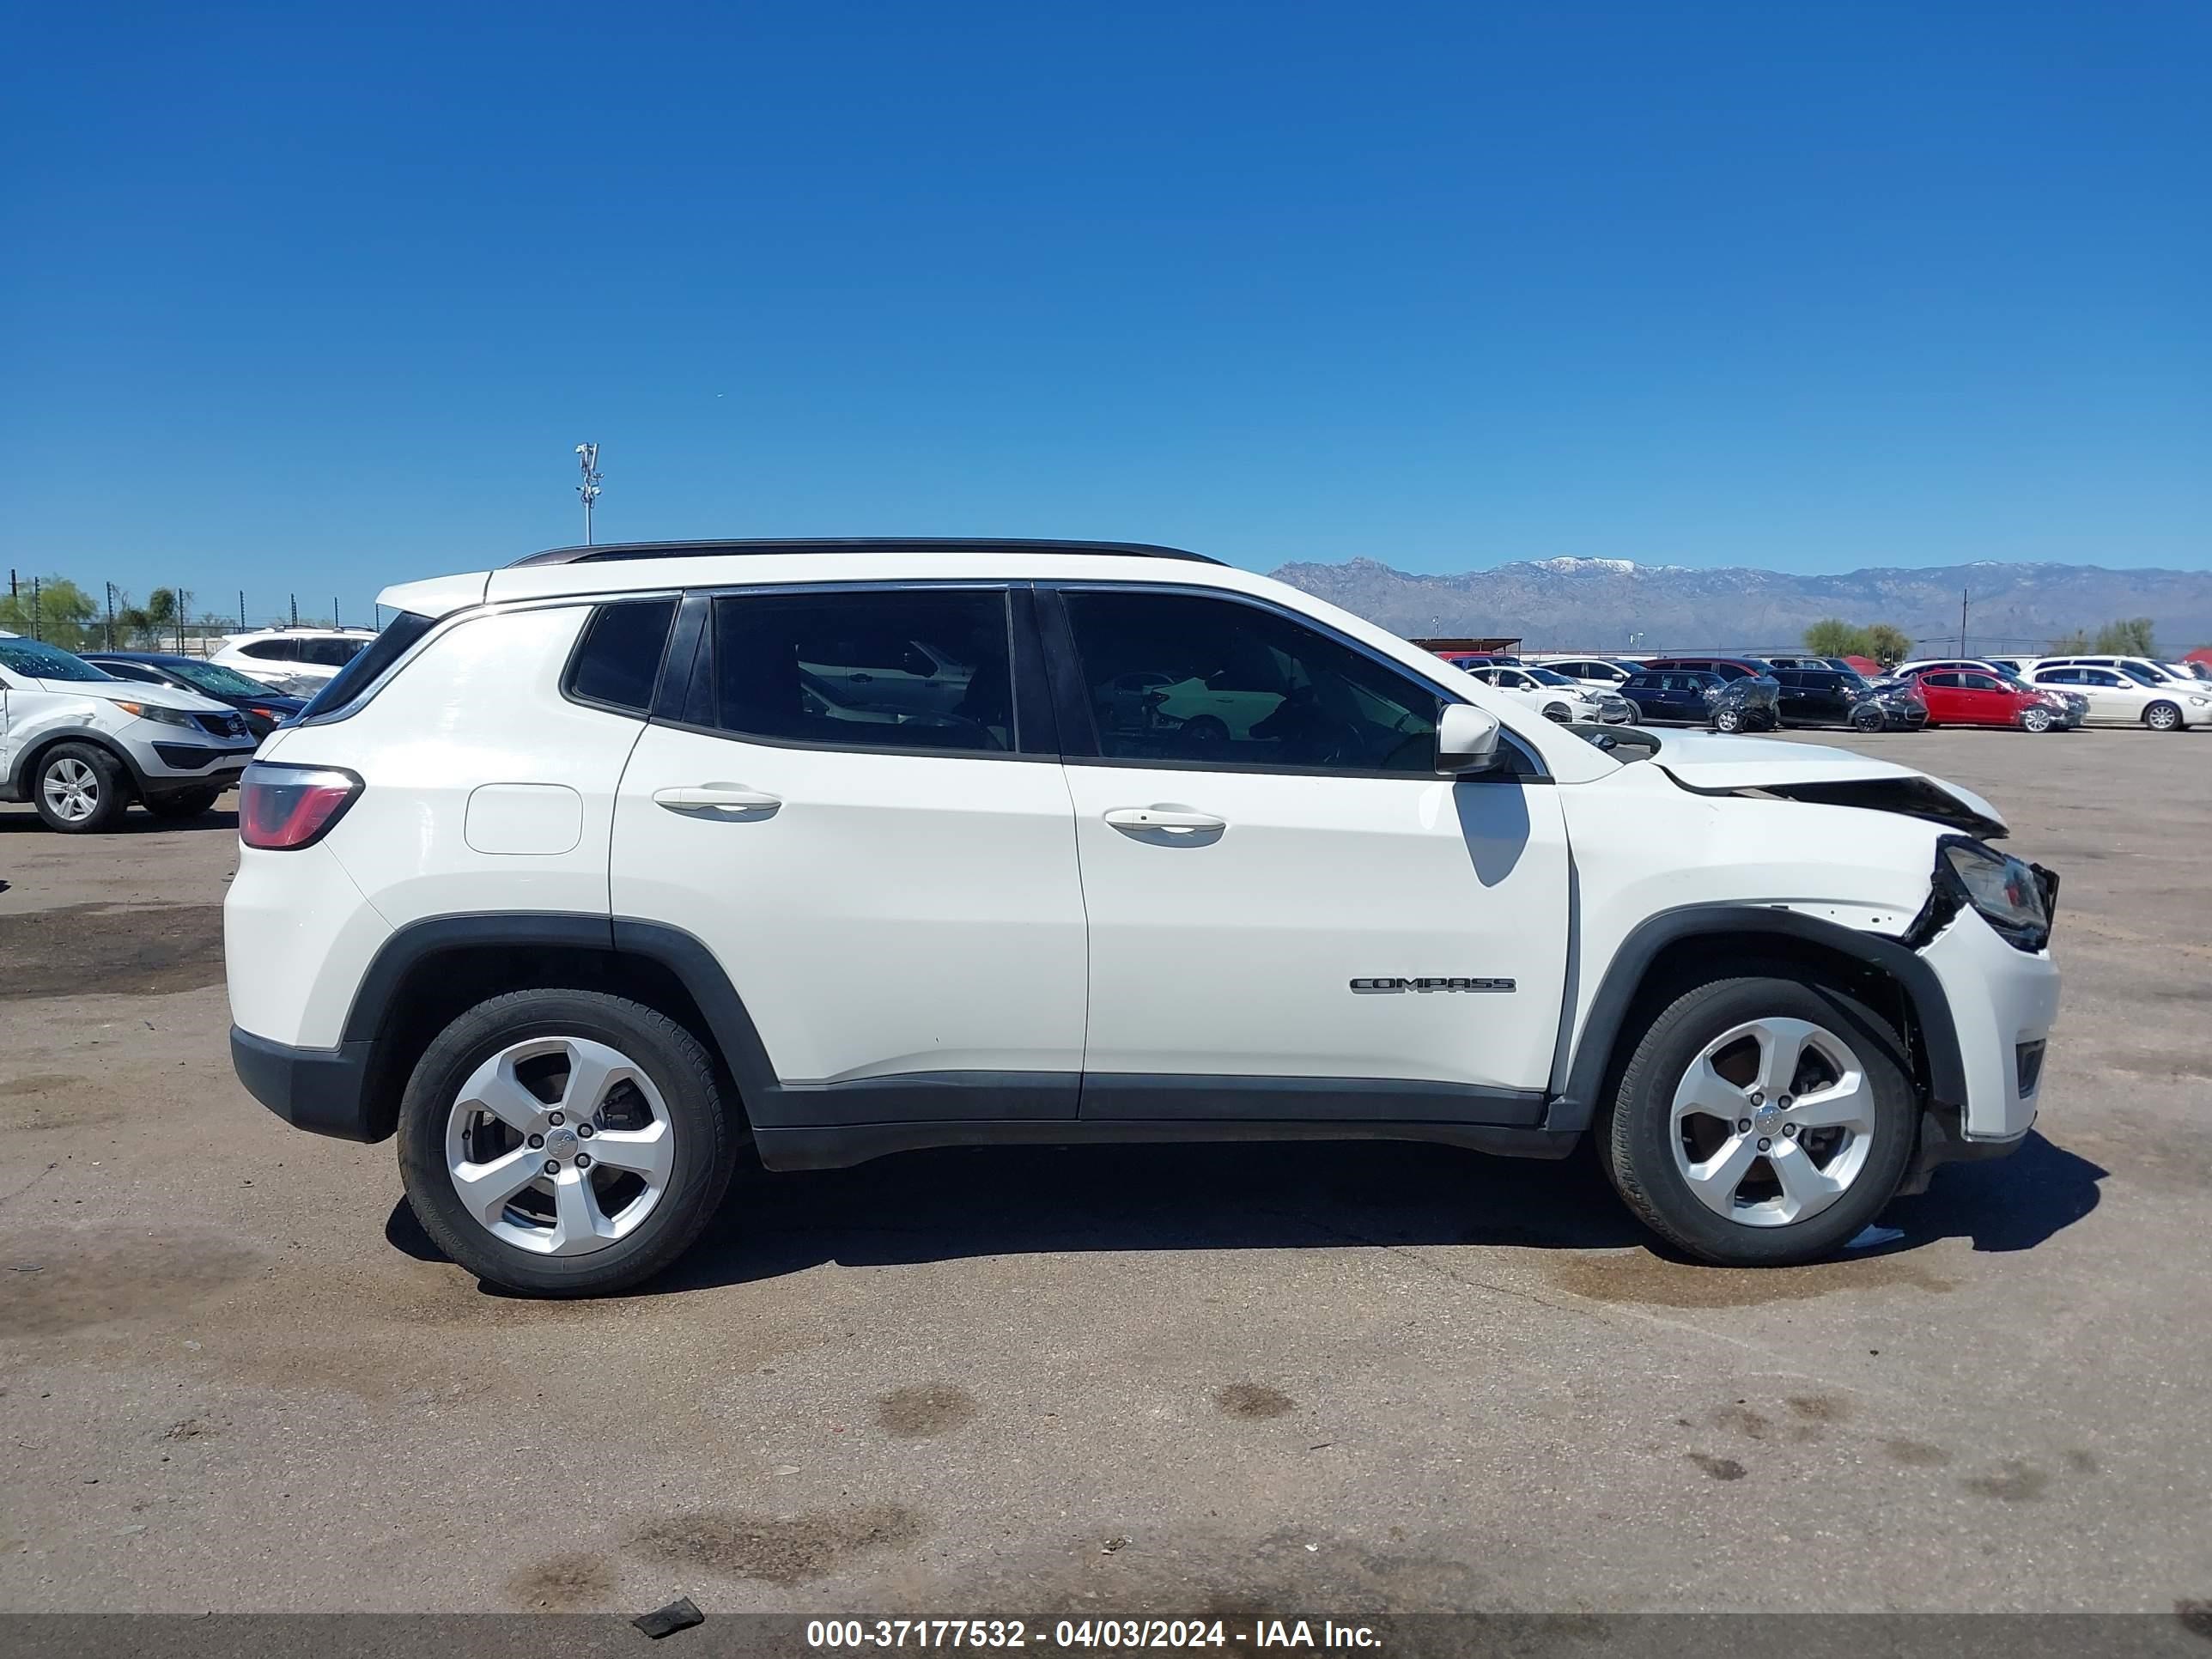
(1710, 764)
(154, 697)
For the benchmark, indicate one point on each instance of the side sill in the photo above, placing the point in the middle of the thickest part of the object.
(841, 1148)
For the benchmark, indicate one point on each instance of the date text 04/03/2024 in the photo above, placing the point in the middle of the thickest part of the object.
(1087, 1633)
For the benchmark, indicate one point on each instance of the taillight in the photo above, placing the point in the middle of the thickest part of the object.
(284, 806)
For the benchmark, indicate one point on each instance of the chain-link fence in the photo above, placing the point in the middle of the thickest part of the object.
(108, 618)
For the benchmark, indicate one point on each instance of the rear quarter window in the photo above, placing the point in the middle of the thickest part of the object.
(618, 659)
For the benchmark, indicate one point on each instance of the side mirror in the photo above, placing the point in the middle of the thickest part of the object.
(1467, 740)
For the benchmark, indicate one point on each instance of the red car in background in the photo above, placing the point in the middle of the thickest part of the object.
(1964, 698)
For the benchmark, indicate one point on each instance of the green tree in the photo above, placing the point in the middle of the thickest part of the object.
(2130, 638)
(1831, 636)
(63, 617)
(2070, 644)
(1887, 644)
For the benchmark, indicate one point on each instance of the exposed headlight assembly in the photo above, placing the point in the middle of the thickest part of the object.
(160, 716)
(2016, 898)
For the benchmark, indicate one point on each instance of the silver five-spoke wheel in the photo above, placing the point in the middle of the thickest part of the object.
(1772, 1121)
(559, 1145)
(71, 789)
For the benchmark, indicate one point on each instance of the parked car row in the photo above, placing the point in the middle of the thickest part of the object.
(82, 738)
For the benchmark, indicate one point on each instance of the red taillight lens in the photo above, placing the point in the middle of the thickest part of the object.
(286, 807)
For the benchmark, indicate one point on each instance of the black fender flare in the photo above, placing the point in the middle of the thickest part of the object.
(692, 963)
(1577, 1102)
(27, 763)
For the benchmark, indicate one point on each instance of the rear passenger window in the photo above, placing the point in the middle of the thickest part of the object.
(914, 668)
(618, 659)
(273, 650)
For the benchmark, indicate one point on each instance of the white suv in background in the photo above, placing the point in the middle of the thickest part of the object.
(2119, 695)
(594, 868)
(299, 660)
(81, 745)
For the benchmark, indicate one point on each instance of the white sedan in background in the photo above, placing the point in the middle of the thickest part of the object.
(2118, 699)
(1559, 698)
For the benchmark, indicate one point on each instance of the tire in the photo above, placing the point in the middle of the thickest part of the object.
(1727, 719)
(1635, 711)
(1649, 1154)
(190, 805)
(79, 789)
(1557, 711)
(2163, 717)
(2035, 720)
(1866, 720)
(671, 1081)
(1205, 731)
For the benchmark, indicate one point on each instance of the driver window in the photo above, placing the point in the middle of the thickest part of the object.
(1224, 682)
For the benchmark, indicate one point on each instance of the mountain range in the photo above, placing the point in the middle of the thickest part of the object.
(1613, 604)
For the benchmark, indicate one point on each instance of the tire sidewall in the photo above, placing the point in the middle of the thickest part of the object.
(2171, 722)
(680, 1070)
(2036, 720)
(113, 798)
(1635, 1136)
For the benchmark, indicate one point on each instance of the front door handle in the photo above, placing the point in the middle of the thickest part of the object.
(731, 798)
(1136, 820)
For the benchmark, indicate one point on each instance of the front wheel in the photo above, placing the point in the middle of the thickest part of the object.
(1727, 719)
(2035, 720)
(564, 1142)
(1866, 720)
(2163, 717)
(78, 788)
(1761, 1122)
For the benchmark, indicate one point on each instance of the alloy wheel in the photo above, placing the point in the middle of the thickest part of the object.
(559, 1145)
(1772, 1121)
(71, 790)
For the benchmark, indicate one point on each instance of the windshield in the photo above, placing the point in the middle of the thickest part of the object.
(41, 661)
(1551, 677)
(2136, 671)
(223, 682)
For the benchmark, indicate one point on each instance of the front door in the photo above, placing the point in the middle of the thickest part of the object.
(1303, 921)
(889, 882)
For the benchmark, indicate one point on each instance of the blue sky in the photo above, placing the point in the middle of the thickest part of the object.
(321, 298)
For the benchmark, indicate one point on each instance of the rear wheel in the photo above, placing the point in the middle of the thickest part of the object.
(78, 789)
(1760, 1122)
(2163, 717)
(564, 1142)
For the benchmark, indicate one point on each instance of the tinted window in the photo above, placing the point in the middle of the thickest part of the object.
(331, 653)
(1977, 682)
(126, 670)
(618, 660)
(273, 650)
(1180, 679)
(386, 649)
(917, 668)
(2099, 676)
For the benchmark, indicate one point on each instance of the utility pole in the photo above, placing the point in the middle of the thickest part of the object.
(241, 610)
(295, 611)
(184, 599)
(587, 461)
(111, 616)
(1962, 622)
(38, 621)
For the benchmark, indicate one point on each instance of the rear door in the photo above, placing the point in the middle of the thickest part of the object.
(885, 870)
(1304, 922)
(1940, 690)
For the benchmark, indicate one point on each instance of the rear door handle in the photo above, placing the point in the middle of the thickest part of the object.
(719, 797)
(1137, 819)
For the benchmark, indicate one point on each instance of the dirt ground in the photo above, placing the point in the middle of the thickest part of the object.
(235, 1376)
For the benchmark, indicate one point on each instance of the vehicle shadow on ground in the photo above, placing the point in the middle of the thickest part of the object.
(136, 822)
(946, 1205)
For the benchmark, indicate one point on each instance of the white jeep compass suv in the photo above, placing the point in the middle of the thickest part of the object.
(597, 868)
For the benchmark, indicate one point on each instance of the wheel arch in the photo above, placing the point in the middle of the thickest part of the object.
(1675, 948)
(429, 972)
(34, 756)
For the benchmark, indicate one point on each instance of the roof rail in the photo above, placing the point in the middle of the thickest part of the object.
(613, 550)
